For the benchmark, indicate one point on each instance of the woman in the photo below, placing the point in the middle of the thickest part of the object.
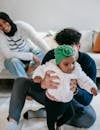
(16, 48)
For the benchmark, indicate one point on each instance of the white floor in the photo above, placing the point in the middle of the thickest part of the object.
(37, 123)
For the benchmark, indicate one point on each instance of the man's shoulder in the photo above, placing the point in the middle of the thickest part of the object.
(86, 61)
(84, 56)
(50, 51)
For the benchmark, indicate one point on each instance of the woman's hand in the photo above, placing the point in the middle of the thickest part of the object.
(48, 81)
(36, 60)
(32, 67)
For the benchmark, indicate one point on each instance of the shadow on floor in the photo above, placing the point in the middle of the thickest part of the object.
(6, 83)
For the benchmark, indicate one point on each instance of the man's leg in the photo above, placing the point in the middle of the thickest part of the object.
(23, 87)
(84, 117)
(16, 67)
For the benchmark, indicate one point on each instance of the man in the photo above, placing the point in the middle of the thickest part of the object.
(84, 113)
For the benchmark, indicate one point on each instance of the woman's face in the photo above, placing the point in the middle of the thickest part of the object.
(67, 64)
(5, 26)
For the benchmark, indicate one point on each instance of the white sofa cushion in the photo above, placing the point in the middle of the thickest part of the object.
(86, 41)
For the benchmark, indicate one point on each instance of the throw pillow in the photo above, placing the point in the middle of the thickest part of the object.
(51, 42)
(96, 47)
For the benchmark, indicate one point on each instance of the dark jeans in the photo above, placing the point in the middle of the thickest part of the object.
(84, 116)
(58, 113)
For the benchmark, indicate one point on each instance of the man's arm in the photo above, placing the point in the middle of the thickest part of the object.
(89, 67)
(48, 56)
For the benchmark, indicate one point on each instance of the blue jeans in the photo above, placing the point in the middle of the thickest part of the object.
(17, 67)
(84, 116)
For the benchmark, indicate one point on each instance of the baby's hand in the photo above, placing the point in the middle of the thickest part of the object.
(94, 91)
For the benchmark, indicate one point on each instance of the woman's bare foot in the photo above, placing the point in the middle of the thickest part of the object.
(31, 68)
(58, 128)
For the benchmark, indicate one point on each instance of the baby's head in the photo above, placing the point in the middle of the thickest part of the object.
(65, 58)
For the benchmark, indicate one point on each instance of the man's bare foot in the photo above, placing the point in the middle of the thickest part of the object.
(58, 128)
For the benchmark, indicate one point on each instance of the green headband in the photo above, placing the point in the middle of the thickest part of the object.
(63, 51)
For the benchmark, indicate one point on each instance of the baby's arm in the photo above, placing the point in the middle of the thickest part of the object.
(85, 82)
(94, 91)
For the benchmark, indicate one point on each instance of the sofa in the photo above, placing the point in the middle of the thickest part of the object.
(90, 41)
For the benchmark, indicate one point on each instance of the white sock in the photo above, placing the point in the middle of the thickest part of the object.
(12, 125)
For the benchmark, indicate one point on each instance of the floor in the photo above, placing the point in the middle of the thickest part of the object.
(5, 93)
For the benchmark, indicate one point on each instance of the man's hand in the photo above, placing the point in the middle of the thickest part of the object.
(73, 85)
(48, 81)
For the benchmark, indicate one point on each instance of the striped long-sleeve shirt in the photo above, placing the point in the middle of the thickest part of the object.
(18, 46)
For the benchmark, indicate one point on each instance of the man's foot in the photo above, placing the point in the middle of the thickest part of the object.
(41, 113)
(12, 125)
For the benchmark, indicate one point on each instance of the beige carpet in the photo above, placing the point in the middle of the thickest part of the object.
(38, 124)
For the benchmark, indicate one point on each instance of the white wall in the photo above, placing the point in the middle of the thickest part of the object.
(46, 15)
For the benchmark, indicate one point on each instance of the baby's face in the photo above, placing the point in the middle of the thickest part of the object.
(67, 65)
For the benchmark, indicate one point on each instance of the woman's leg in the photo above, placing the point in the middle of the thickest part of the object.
(15, 67)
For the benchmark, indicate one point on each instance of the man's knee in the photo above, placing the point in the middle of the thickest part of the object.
(19, 83)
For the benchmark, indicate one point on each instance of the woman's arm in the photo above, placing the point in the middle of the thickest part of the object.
(29, 32)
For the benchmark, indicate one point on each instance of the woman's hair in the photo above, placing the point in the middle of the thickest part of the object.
(68, 36)
(6, 17)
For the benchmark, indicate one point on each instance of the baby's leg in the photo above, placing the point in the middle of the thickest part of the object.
(52, 113)
(66, 116)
